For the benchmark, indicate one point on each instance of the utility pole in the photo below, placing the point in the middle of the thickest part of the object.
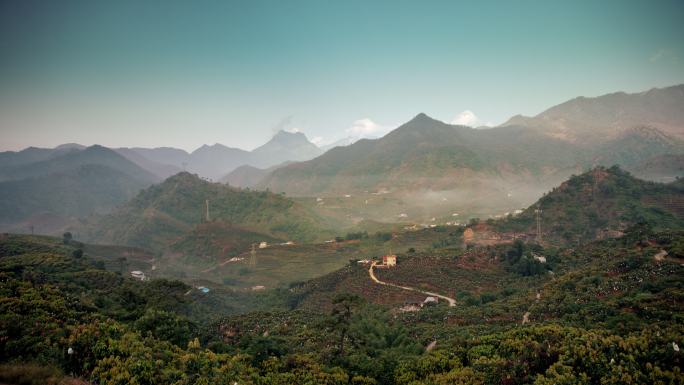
(538, 211)
(207, 203)
(252, 258)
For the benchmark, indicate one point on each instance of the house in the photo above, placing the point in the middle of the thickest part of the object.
(431, 301)
(263, 245)
(389, 260)
(137, 274)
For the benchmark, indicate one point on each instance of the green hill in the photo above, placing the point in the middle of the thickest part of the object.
(599, 203)
(168, 212)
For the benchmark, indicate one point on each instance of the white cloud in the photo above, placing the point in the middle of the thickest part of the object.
(366, 128)
(318, 140)
(293, 130)
(468, 118)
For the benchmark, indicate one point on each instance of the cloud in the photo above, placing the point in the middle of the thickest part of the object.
(318, 140)
(366, 128)
(468, 118)
(293, 130)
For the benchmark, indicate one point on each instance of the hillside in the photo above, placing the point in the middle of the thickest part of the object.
(600, 203)
(588, 120)
(71, 184)
(513, 318)
(164, 213)
(249, 176)
(661, 168)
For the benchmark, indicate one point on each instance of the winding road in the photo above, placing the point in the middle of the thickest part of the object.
(452, 302)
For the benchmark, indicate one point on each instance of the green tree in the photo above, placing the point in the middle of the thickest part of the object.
(344, 307)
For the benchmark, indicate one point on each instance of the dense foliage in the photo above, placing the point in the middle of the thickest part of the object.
(597, 320)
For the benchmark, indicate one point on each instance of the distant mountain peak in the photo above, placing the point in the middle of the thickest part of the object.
(70, 146)
(287, 137)
(421, 117)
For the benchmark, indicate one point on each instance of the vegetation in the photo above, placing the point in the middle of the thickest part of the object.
(163, 213)
(607, 311)
(598, 204)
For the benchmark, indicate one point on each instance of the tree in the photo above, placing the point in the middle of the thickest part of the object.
(67, 237)
(344, 307)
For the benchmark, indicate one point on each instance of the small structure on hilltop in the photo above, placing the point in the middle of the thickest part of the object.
(431, 301)
(389, 260)
(263, 245)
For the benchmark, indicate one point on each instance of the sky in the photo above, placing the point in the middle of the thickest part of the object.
(187, 73)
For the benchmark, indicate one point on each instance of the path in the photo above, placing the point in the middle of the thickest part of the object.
(452, 302)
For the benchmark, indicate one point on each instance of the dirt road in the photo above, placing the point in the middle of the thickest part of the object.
(452, 302)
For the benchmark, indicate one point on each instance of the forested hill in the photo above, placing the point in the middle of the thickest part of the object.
(599, 203)
(168, 211)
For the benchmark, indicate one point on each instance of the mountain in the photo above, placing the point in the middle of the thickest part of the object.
(166, 213)
(284, 146)
(660, 168)
(425, 153)
(73, 159)
(215, 161)
(587, 120)
(10, 159)
(340, 143)
(161, 170)
(599, 203)
(163, 155)
(636, 145)
(249, 176)
(74, 184)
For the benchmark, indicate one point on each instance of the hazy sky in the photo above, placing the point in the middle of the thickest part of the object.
(184, 73)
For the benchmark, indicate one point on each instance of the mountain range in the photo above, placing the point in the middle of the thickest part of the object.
(45, 189)
(216, 161)
(624, 129)
(501, 168)
(587, 120)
